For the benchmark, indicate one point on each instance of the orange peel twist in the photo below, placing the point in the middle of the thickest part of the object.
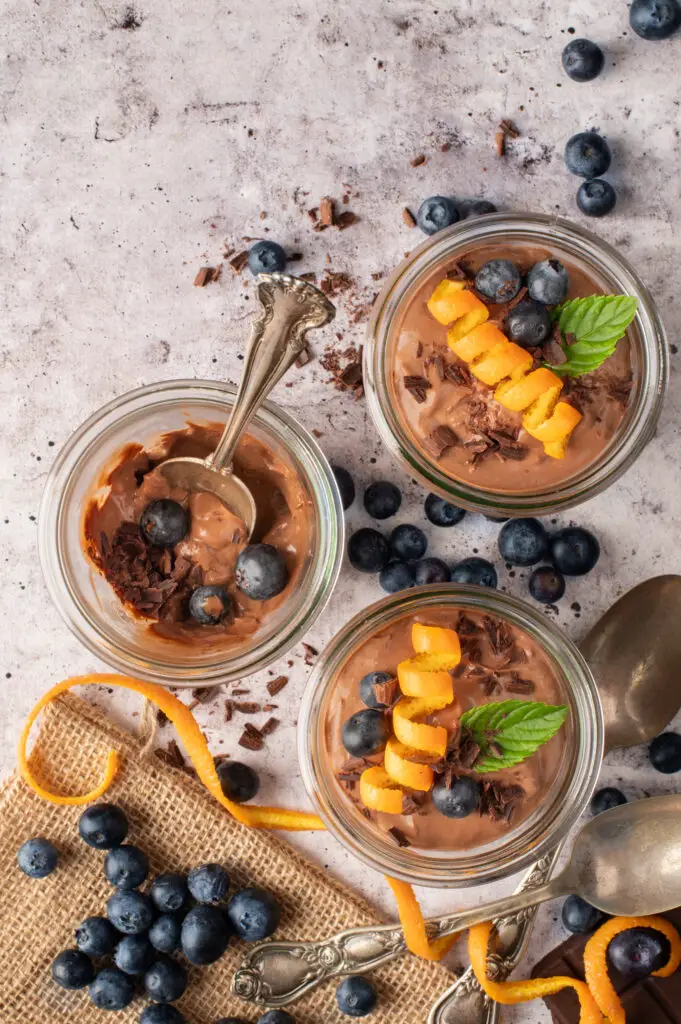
(509, 993)
(595, 963)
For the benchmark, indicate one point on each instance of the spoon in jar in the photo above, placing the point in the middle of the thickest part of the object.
(633, 651)
(290, 308)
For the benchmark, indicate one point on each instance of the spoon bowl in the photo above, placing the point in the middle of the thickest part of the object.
(289, 309)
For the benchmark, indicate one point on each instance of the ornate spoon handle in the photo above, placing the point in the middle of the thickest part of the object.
(465, 1002)
(277, 973)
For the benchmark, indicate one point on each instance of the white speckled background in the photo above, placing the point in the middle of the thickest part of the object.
(135, 140)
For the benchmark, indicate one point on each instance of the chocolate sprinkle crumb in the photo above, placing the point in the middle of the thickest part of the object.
(238, 262)
(275, 686)
(417, 386)
(247, 707)
(408, 217)
(499, 633)
(251, 738)
(499, 801)
(269, 727)
(386, 693)
(439, 440)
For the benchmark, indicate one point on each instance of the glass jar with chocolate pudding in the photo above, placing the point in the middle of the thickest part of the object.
(172, 607)
(408, 745)
(448, 427)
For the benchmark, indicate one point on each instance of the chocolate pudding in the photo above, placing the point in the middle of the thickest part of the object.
(499, 662)
(455, 419)
(155, 583)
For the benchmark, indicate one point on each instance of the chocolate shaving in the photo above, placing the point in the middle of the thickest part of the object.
(413, 803)
(238, 262)
(465, 626)
(508, 128)
(205, 694)
(386, 693)
(161, 718)
(438, 364)
(269, 727)
(552, 350)
(251, 738)
(619, 391)
(247, 707)
(419, 349)
(512, 303)
(355, 765)
(499, 634)
(326, 211)
(490, 684)
(417, 386)
(439, 440)
(310, 653)
(498, 801)
(229, 711)
(335, 282)
(408, 217)
(500, 143)
(419, 160)
(206, 275)
(275, 686)
(399, 837)
(457, 272)
(240, 691)
(270, 707)
(345, 220)
(518, 685)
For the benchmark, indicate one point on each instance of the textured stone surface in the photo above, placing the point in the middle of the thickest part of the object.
(135, 140)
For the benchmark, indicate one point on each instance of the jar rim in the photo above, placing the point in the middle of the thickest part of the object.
(321, 574)
(532, 838)
(642, 414)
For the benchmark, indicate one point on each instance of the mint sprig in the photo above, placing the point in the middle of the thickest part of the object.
(510, 731)
(596, 323)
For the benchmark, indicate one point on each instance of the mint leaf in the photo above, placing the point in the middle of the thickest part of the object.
(597, 323)
(510, 731)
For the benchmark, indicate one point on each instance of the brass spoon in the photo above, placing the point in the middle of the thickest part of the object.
(290, 308)
(277, 972)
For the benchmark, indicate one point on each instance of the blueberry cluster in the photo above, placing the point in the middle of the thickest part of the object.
(573, 551)
(134, 942)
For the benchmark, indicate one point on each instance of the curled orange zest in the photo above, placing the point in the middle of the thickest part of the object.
(414, 926)
(510, 992)
(595, 964)
(195, 745)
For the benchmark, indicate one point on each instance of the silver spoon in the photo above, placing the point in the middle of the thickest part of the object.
(290, 308)
(634, 652)
(276, 973)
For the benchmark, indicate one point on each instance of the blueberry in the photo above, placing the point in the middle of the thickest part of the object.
(574, 551)
(548, 282)
(365, 733)
(164, 522)
(346, 486)
(408, 542)
(72, 969)
(368, 550)
(266, 258)
(165, 981)
(112, 989)
(436, 213)
(211, 604)
(458, 800)
(254, 914)
(479, 207)
(441, 512)
(580, 917)
(546, 584)
(638, 952)
(529, 324)
(37, 857)
(276, 1017)
(261, 572)
(126, 866)
(205, 935)
(356, 996)
(130, 911)
(169, 893)
(523, 541)
(395, 577)
(596, 198)
(475, 570)
(208, 884)
(605, 799)
(430, 570)
(582, 60)
(655, 19)
(162, 1013)
(665, 753)
(367, 688)
(382, 499)
(498, 280)
(165, 932)
(103, 826)
(239, 782)
(96, 936)
(587, 154)
(133, 954)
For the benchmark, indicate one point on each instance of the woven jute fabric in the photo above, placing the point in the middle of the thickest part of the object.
(180, 826)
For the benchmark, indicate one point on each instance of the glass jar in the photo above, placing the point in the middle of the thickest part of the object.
(86, 601)
(571, 789)
(610, 272)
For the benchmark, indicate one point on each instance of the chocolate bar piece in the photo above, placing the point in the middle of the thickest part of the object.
(645, 1001)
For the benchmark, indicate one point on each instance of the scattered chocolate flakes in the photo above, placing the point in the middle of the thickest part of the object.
(206, 275)
(386, 693)
(326, 211)
(418, 161)
(499, 634)
(335, 282)
(247, 707)
(619, 391)
(275, 686)
(251, 738)
(499, 801)
(439, 440)
(509, 128)
(459, 374)
(238, 262)
(518, 685)
(417, 386)
(345, 368)
(399, 837)
(490, 684)
(269, 727)
(408, 217)
(240, 691)
(205, 694)
(310, 653)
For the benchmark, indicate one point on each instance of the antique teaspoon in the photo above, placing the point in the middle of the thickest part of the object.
(290, 308)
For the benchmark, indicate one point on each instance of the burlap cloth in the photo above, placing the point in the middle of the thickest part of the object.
(179, 825)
